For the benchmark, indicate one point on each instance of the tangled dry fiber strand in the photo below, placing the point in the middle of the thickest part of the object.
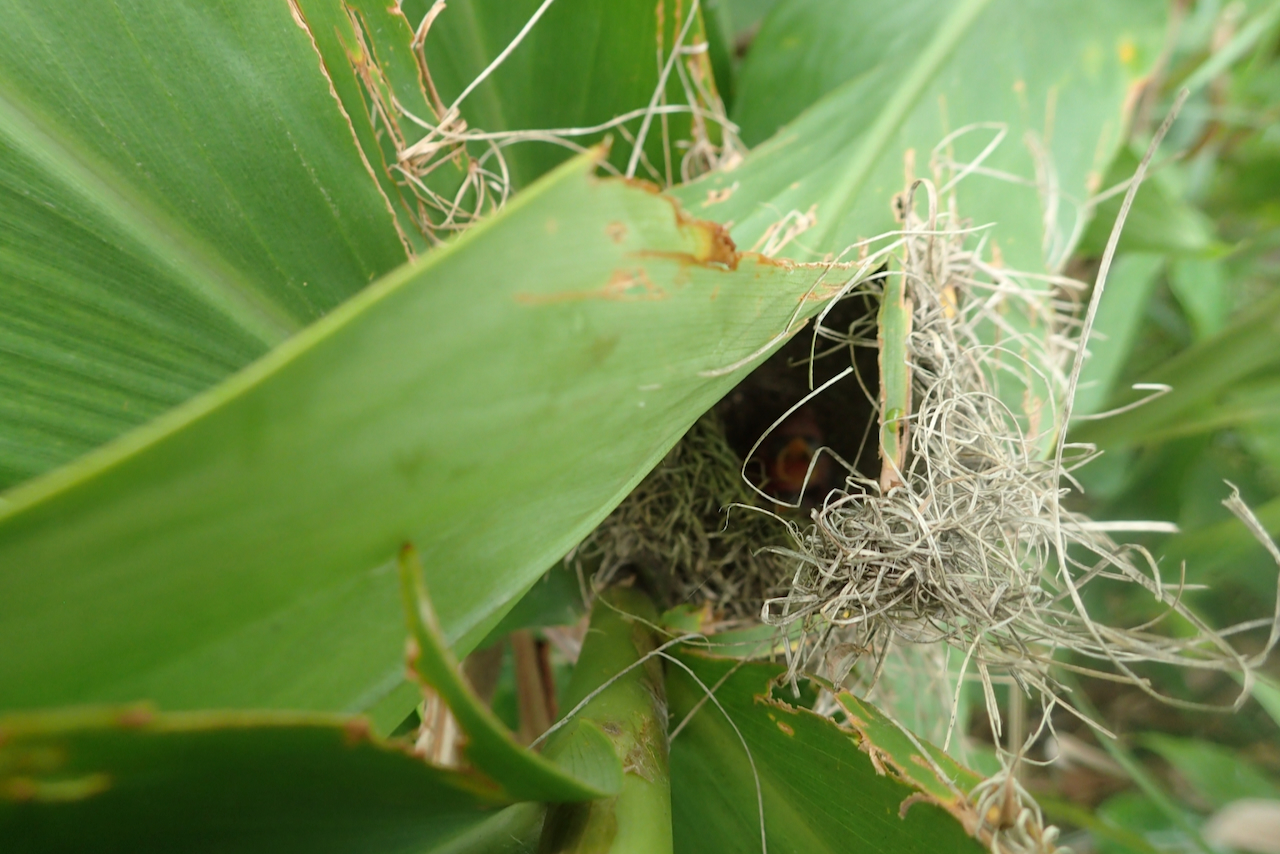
(686, 527)
(448, 200)
(961, 548)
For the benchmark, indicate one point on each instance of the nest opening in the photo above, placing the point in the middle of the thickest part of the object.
(710, 524)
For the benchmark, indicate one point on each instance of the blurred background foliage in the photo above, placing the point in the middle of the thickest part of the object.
(1193, 302)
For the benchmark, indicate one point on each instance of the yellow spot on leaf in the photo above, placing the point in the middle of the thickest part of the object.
(1127, 51)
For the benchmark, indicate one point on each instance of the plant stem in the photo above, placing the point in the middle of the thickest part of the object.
(632, 712)
(895, 381)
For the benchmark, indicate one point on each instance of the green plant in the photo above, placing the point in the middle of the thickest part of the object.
(289, 286)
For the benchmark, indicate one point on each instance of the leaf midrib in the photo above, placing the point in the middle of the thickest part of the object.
(900, 104)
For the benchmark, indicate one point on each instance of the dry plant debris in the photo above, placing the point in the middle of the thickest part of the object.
(456, 174)
(692, 530)
(958, 540)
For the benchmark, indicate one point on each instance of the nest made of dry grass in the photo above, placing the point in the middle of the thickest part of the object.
(692, 529)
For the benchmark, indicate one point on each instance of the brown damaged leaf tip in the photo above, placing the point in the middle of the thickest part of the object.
(909, 800)
(135, 717)
(412, 652)
(712, 243)
(355, 731)
(712, 246)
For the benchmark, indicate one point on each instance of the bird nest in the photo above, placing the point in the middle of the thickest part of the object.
(960, 538)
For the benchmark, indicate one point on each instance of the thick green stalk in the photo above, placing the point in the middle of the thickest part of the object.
(895, 381)
(632, 712)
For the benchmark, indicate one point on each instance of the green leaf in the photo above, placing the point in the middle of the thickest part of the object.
(874, 82)
(490, 403)
(178, 193)
(1219, 775)
(365, 51)
(1138, 814)
(1253, 406)
(824, 787)
(126, 780)
(1110, 836)
(519, 773)
(553, 600)
(1120, 312)
(1222, 551)
(893, 325)
(1198, 375)
(1202, 288)
(1159, 221)
(1267, 693)
(745, 15)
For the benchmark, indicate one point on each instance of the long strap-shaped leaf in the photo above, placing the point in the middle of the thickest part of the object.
(490, 403)
(832, 135)
(747, 760)
(490, 747)
(179, 192)
(129, 779)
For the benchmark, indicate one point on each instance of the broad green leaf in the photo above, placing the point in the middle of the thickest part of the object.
(178, 193)
(128, 780)
(624, 697)
(1222, 551)
(1120, 313)
(824, 787)
(1202, 288)
(1216, 773)
(843, 91)
(1136, 813)
(593, 772)
(1106, 832)
(490, 403)
(1198, 375)
(1152, 801)
(553, 600)
(911, 688)
(745, 16)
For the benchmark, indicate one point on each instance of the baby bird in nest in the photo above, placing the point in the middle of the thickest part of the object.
(787, 455)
